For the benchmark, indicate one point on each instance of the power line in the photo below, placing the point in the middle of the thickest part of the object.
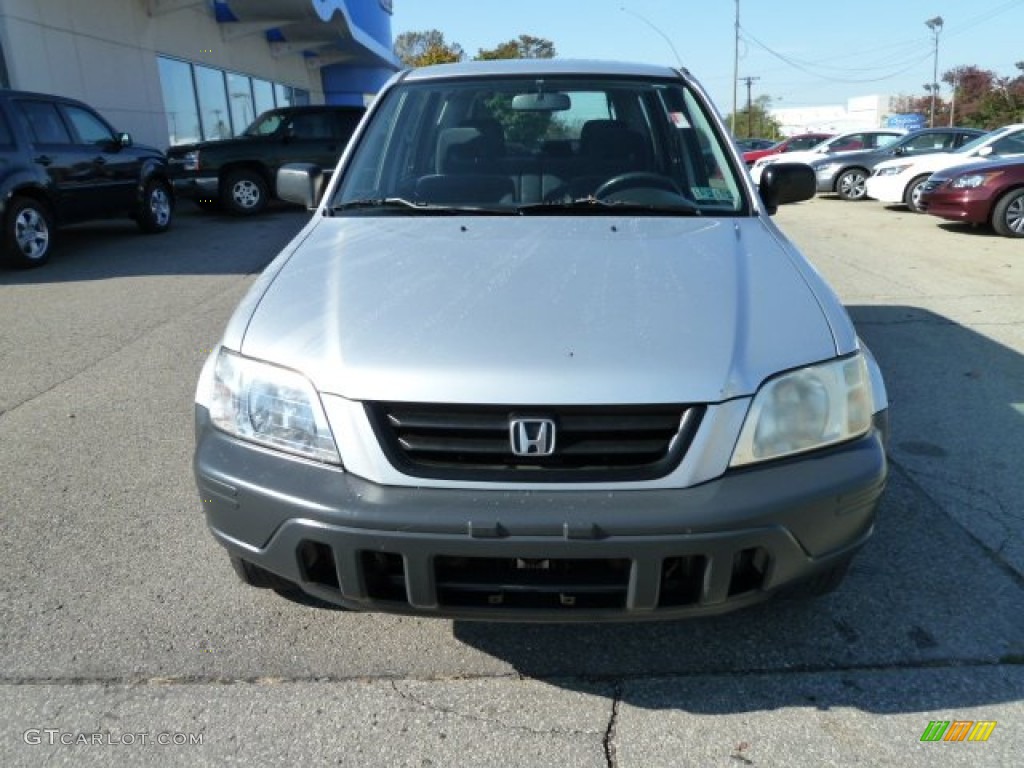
(915, 50)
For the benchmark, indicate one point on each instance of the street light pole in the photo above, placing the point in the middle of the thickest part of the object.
(935, 25)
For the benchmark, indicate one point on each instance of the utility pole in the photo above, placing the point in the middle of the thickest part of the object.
(749, 81)
(935, 25)
(735, 68)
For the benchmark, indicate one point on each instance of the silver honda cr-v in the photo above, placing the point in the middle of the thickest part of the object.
(541, 354)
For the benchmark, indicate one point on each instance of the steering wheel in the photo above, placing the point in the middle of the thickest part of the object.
(636, 179)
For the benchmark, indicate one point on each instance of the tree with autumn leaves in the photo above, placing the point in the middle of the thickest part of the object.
(978, 98)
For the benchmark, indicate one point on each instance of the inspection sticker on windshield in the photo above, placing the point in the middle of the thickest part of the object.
(711, 193)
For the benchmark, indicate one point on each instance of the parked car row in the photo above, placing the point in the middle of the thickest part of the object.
(62, 163)
(958, 174)
(901, 180)
(846, 173)
(844, 142)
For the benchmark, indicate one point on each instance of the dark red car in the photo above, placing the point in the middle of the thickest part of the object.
(986, 192)
(796, 143)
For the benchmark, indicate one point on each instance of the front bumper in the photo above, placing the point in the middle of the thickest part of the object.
(957, 205)
(887, 189)
(540, 555)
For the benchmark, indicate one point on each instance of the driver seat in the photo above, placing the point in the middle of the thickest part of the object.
(608, 148)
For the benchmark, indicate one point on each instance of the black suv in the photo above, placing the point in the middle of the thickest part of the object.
(61, 163)
(238, 174)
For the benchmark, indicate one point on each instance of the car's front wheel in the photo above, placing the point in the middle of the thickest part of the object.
(157, 207)
(27, 233)
(245, 192)
(851, 184)
(912, 194)
(1008, 215)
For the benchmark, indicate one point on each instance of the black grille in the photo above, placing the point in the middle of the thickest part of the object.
(592, 443)
(521, 583)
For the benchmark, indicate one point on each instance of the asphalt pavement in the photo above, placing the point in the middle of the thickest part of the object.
(125, 639)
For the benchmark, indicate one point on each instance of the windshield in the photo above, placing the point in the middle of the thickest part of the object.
(265, 124)
(982, 140)
(518, 145)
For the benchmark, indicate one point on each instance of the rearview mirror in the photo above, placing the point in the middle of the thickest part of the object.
(541, 102)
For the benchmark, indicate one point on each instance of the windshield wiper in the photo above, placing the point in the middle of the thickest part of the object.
(594, 205)
(401, 203)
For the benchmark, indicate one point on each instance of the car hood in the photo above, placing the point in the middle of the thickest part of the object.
(928, 163)
(979, 164)
(537, 310)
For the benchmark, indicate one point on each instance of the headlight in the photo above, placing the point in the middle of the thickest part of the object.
(807, 409)
(272, 406)
(191, 161)
(892, 170)
(972, 181)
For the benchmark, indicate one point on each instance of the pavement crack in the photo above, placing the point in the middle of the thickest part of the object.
(452, 711)
(1000, 515)
(609, 733)
(611, 680)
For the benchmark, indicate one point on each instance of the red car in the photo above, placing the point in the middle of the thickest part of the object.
(796, 143)
(986, 192)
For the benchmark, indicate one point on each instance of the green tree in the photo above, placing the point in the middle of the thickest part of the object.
(420, 49)
(524, 47)
(521, 127)
(756, 121)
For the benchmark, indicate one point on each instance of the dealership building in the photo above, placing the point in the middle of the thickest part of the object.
(176, 71)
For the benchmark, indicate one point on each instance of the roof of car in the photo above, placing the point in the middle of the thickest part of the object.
(539, 67)
(12, 94)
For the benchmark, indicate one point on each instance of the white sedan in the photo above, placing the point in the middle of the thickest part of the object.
(900, 180)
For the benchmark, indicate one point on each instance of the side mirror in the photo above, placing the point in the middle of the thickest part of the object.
(985, 151)
(124, 140)
(783, 183)
(301, 183)
(898, 151)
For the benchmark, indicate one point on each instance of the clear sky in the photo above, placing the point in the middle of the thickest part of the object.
(805, 52)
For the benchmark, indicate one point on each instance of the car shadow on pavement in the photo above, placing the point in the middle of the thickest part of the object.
(937, 590)
(196, 244)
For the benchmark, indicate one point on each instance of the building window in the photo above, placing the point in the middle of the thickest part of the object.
(179, 101)
(213, 103)
(263, 92)
(240, 100)
(205, 103)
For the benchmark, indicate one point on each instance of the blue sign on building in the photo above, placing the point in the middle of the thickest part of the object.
(909, 122)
